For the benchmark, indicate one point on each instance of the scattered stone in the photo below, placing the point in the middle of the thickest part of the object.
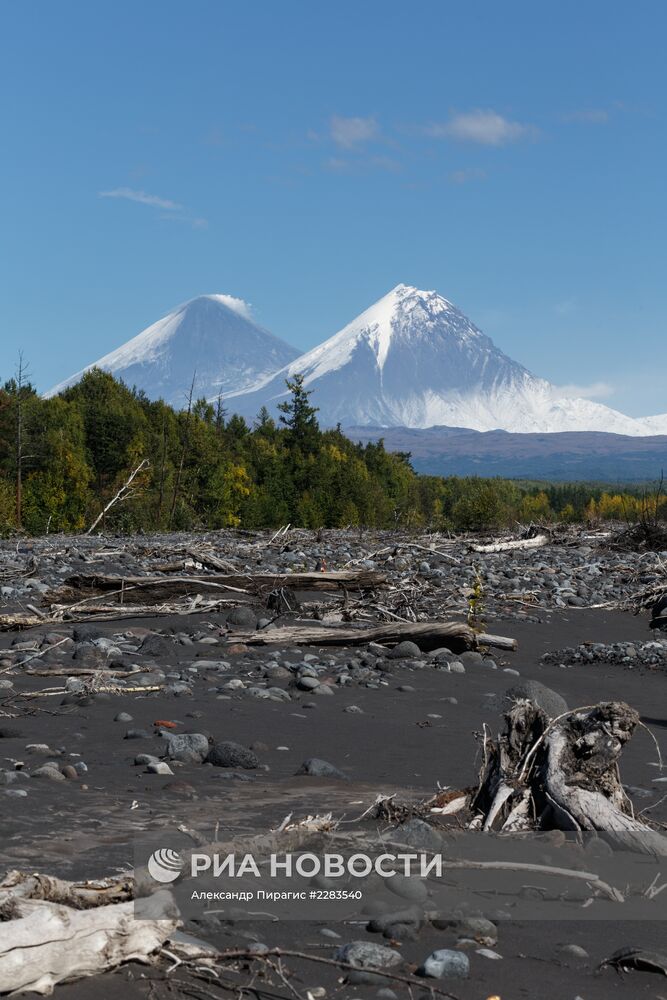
(159, 767)
(188, 748)
(242, 618)
(551, 703)
(230, 754)
(368, 955)
(446, 964)
(404, 650)
(317, 768)
(50, 771)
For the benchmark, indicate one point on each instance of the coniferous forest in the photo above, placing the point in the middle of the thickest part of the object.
(63, 459)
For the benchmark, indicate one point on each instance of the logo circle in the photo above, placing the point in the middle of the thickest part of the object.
(165, 865)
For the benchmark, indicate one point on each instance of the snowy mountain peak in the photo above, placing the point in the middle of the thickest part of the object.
(413, 359)
(406, 315)
(212, 337)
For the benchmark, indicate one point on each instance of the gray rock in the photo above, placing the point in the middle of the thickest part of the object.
(478, 928)
(188, 748)
(408, 887)
(404, 650)
(230, 754)
(49, 771)
(317, 768)
(445, 963)
(159, 767)
(243, 618)
(157, 646)
(418, 833)
(551, 703)
(573, 951)
(471, 658)
(368, 955)
(306, 683)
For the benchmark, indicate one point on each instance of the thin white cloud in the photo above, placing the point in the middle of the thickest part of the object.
(239, 306)
(350, 132)
(143, 198)
(596, 390)
(484, 127)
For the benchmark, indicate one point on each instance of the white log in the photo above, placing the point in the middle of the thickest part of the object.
(523, 543)
(50, 943)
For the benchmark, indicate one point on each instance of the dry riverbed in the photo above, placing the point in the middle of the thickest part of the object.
(98, 703)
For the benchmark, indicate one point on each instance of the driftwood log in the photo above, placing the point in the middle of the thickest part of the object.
(131, 589)
(522, 543)
(562, 774)
(428, 635)
(55, 931)
(17, 622)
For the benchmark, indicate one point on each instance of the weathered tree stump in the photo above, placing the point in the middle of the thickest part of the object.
(562, 775)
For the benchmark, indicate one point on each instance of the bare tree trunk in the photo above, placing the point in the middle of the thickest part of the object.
(123, 493)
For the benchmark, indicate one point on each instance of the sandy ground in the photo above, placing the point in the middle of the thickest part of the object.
(86, 828)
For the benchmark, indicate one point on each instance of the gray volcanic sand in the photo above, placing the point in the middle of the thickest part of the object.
(62, 829)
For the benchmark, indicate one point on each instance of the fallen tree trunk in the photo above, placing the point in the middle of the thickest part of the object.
(14, 623)
(55, 931)
(211, 561)
(563, 775)
(522, 543)
(139, 588)
(427, 635)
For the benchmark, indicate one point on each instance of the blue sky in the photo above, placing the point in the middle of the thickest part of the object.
(308, 156)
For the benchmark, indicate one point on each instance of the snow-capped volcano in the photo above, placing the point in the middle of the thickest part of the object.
(414, 360)
(212, 335)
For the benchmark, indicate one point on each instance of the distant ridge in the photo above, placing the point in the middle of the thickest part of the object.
(589, 456)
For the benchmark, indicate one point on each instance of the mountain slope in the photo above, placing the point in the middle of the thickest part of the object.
(212, 335)
(414, 360)
(654, 425)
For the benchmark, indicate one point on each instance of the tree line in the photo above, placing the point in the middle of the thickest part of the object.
(64, 459)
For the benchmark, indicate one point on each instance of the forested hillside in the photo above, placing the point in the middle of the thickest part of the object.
(62, 460)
